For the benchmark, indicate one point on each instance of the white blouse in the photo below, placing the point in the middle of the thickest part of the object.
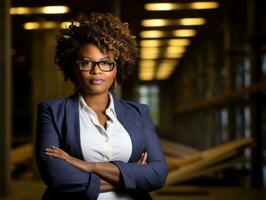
(99, 144)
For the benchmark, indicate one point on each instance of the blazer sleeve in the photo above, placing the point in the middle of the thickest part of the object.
(152, 175)
(57, 173)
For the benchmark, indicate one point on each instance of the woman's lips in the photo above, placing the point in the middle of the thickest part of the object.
(96, 81)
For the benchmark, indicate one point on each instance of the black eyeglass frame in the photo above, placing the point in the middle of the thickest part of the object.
(94, 63)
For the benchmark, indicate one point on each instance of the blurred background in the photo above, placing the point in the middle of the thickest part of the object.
(201, 69)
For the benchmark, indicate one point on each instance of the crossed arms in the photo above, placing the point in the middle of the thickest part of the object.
(65, 173)
(109, 172)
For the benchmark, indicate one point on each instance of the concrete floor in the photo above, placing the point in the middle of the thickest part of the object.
(32, 190)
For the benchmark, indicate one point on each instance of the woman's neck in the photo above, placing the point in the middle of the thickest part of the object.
(98, 102)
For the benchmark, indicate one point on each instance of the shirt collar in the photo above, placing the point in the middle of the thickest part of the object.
(110, 111)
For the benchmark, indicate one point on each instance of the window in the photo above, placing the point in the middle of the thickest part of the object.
(149, 94)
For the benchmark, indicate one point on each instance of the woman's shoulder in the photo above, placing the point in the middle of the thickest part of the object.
(134, 106)
(56, 103)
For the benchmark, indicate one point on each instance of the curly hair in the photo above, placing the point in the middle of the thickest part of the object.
(105, 31)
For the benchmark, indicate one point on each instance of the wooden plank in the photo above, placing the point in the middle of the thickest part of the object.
(176, 149)
(208, 157)
(225, 97)
(212, 169)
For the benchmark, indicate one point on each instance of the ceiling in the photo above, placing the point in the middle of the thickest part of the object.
(133, 12)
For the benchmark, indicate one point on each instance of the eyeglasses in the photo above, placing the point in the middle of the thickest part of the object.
(89, 65)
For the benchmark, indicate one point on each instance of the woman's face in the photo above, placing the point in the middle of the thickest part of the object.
(94, 81)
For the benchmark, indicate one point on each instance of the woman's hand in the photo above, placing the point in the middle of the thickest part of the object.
(61, 154)
(143, 159)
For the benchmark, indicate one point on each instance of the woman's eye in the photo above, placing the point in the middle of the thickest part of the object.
(105, 63)
(86, 63)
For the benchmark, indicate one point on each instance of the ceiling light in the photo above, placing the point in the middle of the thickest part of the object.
(175, 49)
(19, 11)
(152, 34)
(146, 73)
(164, 71)
(66, 24)
(184, 33)
(147, 63)
(173, 22)
(173, 55)
(180, 6)
(40, 25)
(55, 9)
(151, 43)
(159, 6)
(178, 42)
(204, 5)
(174, 33)
(192, 21)
(149, 56)
(149, 50)
(39, 10)
(155, 22)
(159, 43)
(31, 25)
(146, 77)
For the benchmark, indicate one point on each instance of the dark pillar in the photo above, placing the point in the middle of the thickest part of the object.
(5, 97)
(255, 22)
(47, 79)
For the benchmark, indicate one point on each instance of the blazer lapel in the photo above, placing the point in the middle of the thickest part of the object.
(72, 126)
(128, 120)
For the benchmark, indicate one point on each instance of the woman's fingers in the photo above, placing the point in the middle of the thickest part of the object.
(143, 159)
(145, 156)
(56, 152)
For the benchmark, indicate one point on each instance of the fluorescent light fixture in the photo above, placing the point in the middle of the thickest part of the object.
(147, 63)
(192, 21)
(159, 43)
(149, 50)
(204, 5)
(155, 22)
(55, 9)
(184, 33)
(151, 43)
(146, 77)
(156, 51)
(159, 6)
(31, 25)
(40, 25)
(173, 22)
(19, 11)
(66, 24)
(164, 71)
(153, 34)
(178, 42)
(150, 56)
(39, 10)
(180, 6)
(146, 72)
(173, 55)
(175, 49)
(174, 33)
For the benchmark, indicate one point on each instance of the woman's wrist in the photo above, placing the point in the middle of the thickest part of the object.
(92, 167)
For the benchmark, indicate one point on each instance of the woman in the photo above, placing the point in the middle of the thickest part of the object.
(93, 145)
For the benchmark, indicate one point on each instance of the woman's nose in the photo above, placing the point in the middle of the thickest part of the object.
(96, 69)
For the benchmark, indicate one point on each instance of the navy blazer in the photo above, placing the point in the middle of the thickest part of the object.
(58, 125)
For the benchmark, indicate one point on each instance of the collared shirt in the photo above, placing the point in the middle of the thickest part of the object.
(99, 144)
